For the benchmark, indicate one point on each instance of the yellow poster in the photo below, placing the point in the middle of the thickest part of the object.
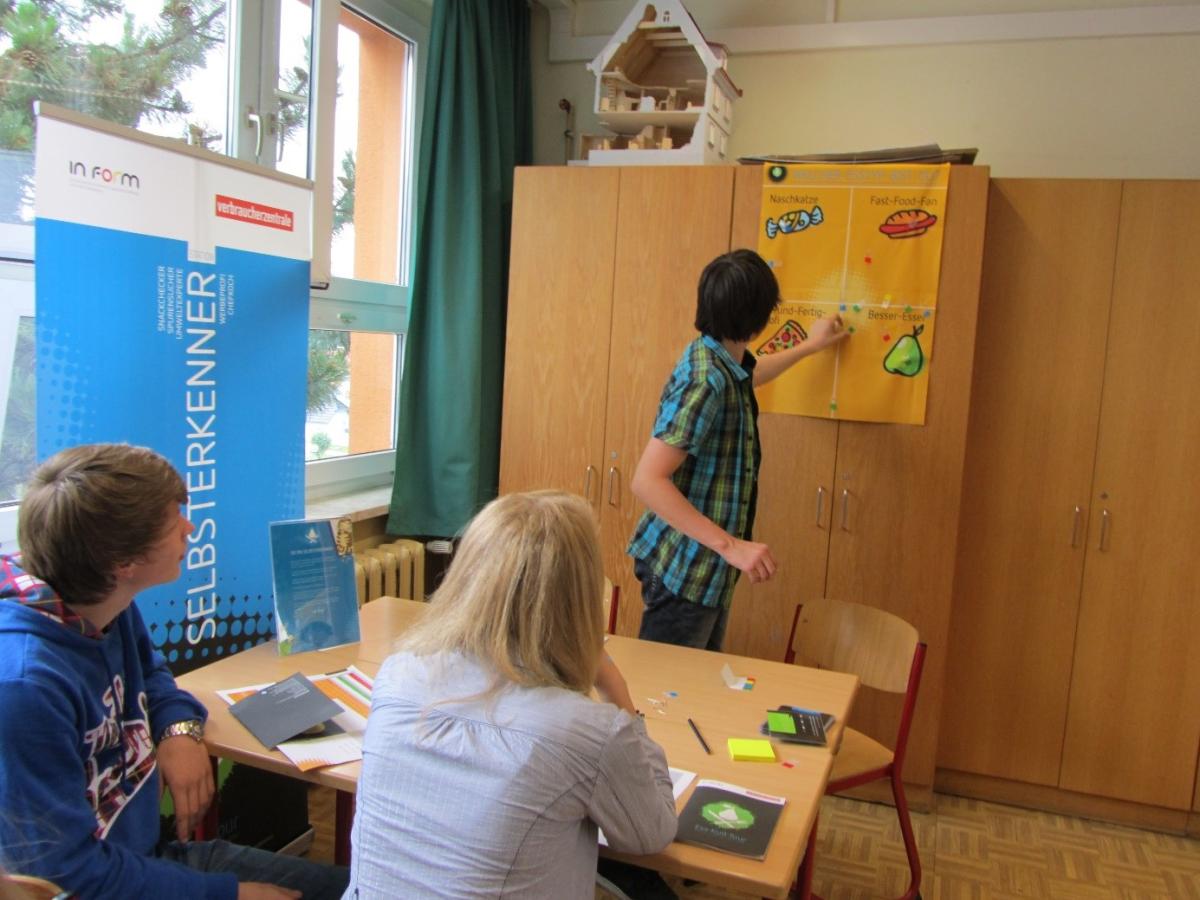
(864, 242)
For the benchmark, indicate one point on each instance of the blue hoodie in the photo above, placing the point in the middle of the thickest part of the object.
(79, 782)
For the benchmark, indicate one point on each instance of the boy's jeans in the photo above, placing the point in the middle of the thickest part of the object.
(315, 880)
(669, 619)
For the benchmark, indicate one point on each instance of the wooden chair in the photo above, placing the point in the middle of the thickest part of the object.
(611, 598)
(886, 654)
(30, 887)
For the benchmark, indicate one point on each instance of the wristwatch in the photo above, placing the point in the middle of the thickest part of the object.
(193, 728)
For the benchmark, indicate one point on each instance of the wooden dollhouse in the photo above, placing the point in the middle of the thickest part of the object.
(663, 90)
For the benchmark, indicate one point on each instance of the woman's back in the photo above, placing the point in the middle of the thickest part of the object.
(502, 795)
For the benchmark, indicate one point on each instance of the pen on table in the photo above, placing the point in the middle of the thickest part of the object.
(699, 737)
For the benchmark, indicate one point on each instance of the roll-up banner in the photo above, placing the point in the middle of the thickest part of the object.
(172, 312)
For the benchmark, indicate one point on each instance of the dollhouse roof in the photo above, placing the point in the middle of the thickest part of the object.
(658, 44)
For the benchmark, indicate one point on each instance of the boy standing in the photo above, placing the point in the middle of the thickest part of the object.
(90, 716)
(698, 475)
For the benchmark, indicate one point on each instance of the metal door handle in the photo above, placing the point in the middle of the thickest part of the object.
(1104, 519)
(845, 509)
(587, 483)
(612, 473)
(820, 505)
(1075, 522)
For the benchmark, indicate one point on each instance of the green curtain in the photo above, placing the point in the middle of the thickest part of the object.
(476, 127)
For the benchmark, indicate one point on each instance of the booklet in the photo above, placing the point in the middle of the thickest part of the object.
(284, 709)
(341, 738)
(312, 568)
(729, 818)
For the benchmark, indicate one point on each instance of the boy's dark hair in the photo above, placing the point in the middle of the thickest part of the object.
(88, 510)
(736, 296)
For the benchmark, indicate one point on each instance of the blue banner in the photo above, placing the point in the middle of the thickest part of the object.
(188, 338)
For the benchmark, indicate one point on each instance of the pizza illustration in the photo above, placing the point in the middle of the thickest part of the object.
(907, 223)
(789, 335)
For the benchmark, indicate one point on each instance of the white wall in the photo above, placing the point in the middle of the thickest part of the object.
(1118, 107)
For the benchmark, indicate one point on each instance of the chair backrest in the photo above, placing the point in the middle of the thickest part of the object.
(871, 643)
(609, 598)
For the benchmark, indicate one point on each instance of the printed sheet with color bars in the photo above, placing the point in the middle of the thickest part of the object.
(864, 242)
(351, 689)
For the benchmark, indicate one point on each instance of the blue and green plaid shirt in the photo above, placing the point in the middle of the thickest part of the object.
(708, 410)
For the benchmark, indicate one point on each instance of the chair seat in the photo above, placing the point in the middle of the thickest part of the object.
(858, 754)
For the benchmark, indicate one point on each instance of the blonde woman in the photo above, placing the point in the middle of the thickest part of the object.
(487, 767)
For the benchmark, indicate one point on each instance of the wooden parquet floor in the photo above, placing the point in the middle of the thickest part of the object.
(970, 850)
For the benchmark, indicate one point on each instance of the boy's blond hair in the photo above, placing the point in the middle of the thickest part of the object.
(522, 595)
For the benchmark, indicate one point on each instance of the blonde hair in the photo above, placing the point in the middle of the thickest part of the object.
(522, 595)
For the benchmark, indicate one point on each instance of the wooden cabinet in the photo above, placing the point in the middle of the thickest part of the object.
(1071, 648)
(602, 297)
(883, 529)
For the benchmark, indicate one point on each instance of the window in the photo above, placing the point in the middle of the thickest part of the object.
(248, 78)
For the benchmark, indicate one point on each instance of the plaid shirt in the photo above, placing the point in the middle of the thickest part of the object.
(707, 409)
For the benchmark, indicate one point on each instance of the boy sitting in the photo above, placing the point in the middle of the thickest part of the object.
(90, 715)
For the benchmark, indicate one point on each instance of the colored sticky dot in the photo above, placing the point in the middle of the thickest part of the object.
(887, 337)
(842, 307)
(672, 693)
(857, 308)
(887, 298)
(867, 260)
(851, 329)
(908, 309)
(928, 313)
(833, 406)
(788, 764)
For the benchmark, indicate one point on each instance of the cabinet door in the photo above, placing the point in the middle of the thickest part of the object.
(798, 455)
(1035, 411)
(559, 311)
(671, 221)
(1133, 722)
(897, 487)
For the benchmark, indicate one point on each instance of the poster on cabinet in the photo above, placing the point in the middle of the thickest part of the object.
(863, 242)
(172, 312)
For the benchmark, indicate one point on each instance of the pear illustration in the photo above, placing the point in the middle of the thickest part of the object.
(906, 358)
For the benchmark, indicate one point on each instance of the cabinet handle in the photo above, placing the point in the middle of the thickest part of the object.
(612, 473)
(587, 483)
(1104, 518)
(845, 509)
(820, 505)
(1075, 526)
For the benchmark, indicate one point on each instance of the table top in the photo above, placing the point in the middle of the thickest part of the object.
(654, 672)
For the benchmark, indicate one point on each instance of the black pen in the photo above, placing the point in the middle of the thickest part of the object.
(699, 737)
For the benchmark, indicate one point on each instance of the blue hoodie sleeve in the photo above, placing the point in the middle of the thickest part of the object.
(168, 704)
(47, 825)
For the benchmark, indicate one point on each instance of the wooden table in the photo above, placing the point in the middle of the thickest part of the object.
(652, 670)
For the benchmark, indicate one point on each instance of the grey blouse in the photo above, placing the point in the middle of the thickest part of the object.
(499, 797)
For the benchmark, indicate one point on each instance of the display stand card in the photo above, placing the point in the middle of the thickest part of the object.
(312, 567)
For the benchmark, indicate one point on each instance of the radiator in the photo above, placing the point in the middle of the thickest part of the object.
(390, 569)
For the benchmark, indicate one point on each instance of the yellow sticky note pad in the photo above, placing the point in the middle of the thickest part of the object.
(751, 750)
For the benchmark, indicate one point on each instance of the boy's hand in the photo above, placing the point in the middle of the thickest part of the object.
(827, 331)
(187, 772)
(752, 558)
(257, 890)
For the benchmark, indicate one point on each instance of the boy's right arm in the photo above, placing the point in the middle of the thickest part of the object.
(46, 823)
(652, 485)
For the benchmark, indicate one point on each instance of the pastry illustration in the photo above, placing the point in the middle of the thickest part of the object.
(907, 223)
